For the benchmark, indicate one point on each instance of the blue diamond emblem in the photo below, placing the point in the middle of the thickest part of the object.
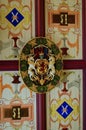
(14, 17)
(64, 110)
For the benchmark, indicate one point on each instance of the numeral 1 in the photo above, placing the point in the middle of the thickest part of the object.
(64, 18)
(16, 113)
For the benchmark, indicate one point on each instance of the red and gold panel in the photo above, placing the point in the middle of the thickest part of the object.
(64, 26)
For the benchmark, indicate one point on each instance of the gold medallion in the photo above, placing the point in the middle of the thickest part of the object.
(41, 64)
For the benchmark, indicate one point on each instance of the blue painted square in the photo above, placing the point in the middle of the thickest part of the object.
(64, 110)
(14, 17)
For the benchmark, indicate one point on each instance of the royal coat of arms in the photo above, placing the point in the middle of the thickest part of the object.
(40, 64)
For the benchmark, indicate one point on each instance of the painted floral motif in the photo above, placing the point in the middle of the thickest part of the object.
(64, 26)
(17, 103)
(64, 104)
(16, 25)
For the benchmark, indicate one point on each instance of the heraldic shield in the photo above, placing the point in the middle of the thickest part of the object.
(41, 64)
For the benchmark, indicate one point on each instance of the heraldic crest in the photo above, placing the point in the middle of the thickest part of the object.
(41, 64)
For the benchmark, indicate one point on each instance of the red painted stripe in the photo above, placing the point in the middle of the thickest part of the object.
(84, 28)
(41, 111)
(39, 18)
(38, 24)
(84, 57)
(9, 65)
(67, 64)
(40, 31)
(84, 99)
(74, 64)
